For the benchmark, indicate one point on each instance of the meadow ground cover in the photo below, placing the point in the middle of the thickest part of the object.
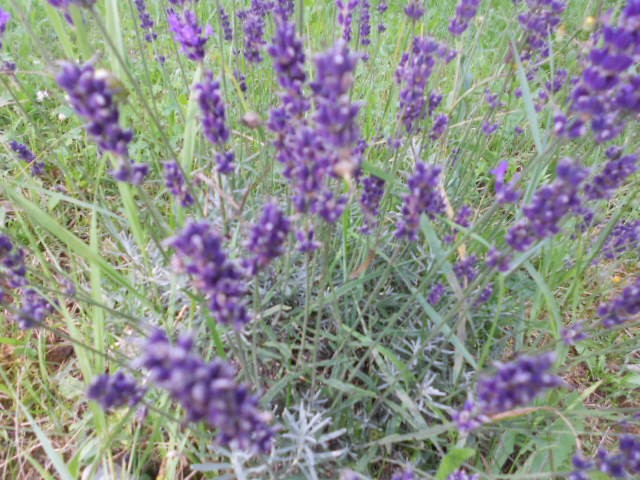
(325, 239)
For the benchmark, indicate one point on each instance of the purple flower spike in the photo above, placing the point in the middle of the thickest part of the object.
(284, 9)
(538, 21)
(146, 22)
(424, 197)
(573, 334)
(225, 24)
(113, 391)
(412, 75)
(208, 391)
(372, 193)
(465, 12)
(201, 255)
(34, 310)
(436, 294)
(336, 115)
(5, 18)
(175, 182)
(37, 168)
(267, 238)
(189, 34)
(439, 127)
(612, 177)
(515, 384)
(404, 475)
(254, 25)
(624, 237)
(415, 10)
(622, 308)
(550, 204)
(462, 475)
(345, 16)
(214, 116)
(365, 22)
(505, 192)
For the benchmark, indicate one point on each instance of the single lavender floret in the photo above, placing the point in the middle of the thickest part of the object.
(415, 10)
(622, 308)
(189, 33)
(117, 390)
(424, 197)
(465, 12)
(267, 238)
(372, 193)
(199, 253)
(208, 391)
(92, 95)
(5, 18)
(175, 182)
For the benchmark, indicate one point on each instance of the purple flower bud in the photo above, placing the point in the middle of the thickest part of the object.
(440, 125)
(254, 25)
(284, 9)
(538, 21)
(372, 193)
(113, 391)
(92, 95)
(424, 197)
(466, 270)
(225, 24)
(189, 34)
(345, 17)
(175, 182)
(505, 192)
(404, 475)
(5, 18)
(573, 334)
(622, 308)
(612, 177)
(37, 168)
(307, 240)
(34, 309)
(415, 9)
(365, 23)
(146, 22)
(498, 260)
(624, 237)
(267, 238)
(199, 253)
(208, 391)
(436, 294)
(462, 475)
(489, 128)
(214, 116)
(465, 12)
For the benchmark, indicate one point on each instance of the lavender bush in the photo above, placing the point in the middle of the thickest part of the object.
(349, 239)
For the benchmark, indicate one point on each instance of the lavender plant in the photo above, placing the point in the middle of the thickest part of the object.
(355, 239)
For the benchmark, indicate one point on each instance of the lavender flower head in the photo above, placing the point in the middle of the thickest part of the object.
(146, 22)
(92, 96)
(415, 10)
(225, 24)
(624, 237)
(335, 114)
(345, 16)
(622, 308)
(254, 25)
(540, 18)
(284, 9)
(267, 238)
(199, 253)
(214, 116)
(5, 18)
(612, 177)
(189, 34)
(365, 23)
(113, 391)
(25, 153)
(465, 12)
(549, 206)
(404, 475)
(175, 182)
(13, 271)
(424, 197)
(515, 384)
(208, 392)
(505, 192)
(573, 334)
(372, 193)
(462, 475)
(412, 75)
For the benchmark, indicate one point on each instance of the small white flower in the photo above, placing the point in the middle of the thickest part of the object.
(62, 117)
(41, 95)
